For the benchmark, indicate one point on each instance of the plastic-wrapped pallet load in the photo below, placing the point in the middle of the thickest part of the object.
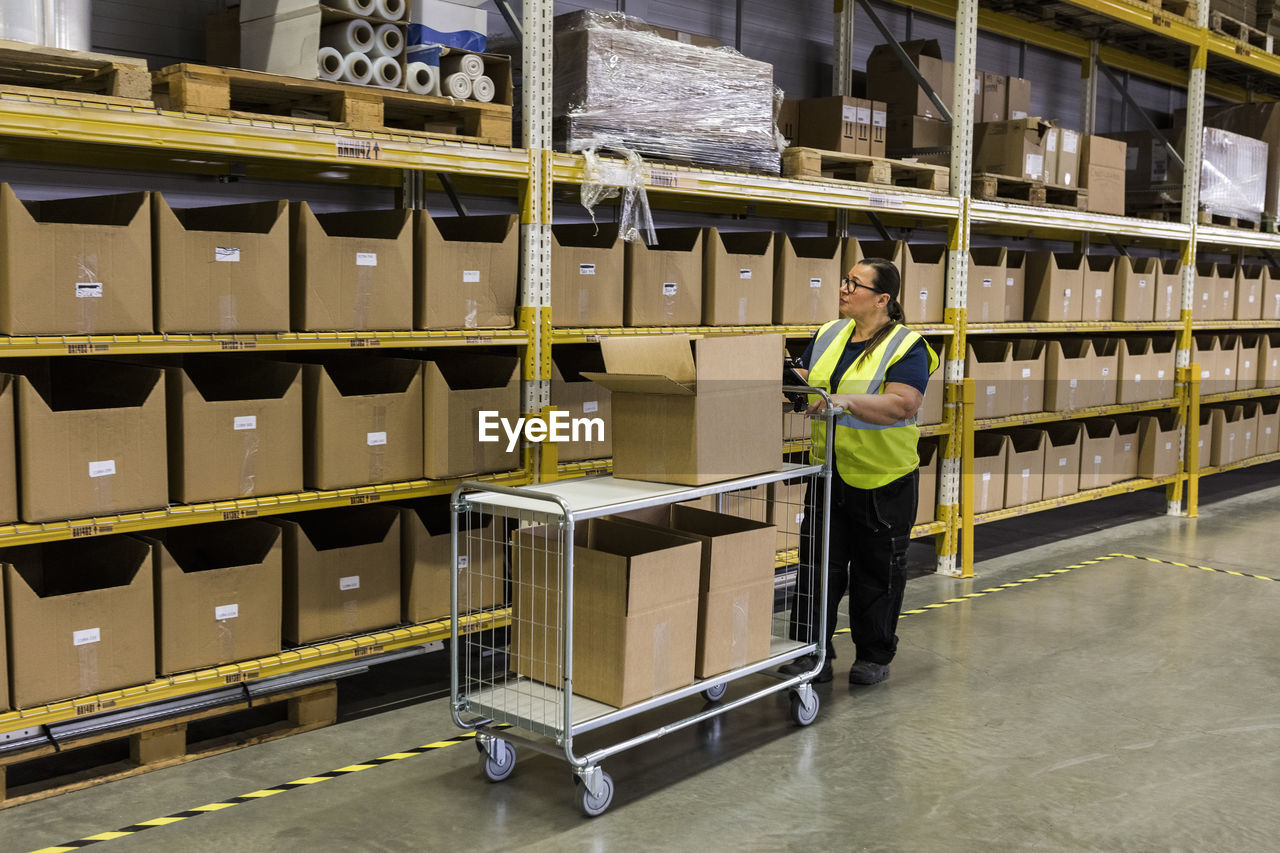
(1233, 178)
(619, 83)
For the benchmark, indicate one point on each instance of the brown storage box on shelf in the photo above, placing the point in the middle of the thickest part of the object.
(1268, 426)
(806, 279)
(889, 81)
(1203, 302)
(1102, 173)
(931, 410)
(1248, 365)
(1146, 369)
(1269, 360)
(1127, 449)
(426, 558)
(218, 594)
(221, 269)
(1205, 444)
(1134, 296)
(91, 438)
(905, 134)
(1026, 377)
(664, 281)
(75, 266)
(990, 459)
(788, 120)
(678, 403)
(1067, 173)
(1159, 444)
(1054, 283)
(580, 397)
(924, 276)
(1073, 375)
(235, 428)
(840, 124)
(5, 704)
(80, 618)
(587, 265)
(1107, 391)
(1217, 368)
(994, 98)
(1099, 287)
(8, 453)
(1015, 280)
(635, 594)
(988, 365)
(927, 495)
(1248, 297)
(341, 572)
(1270, 293)
(351, 271)
(737, 278)
(1232, 432)
(1224, 296)
(1253, 428)
(466, 272)
(456, 389)
(987, 285)
(1025, 467)
(1062, 459)
(1168, 305)
(1017, 97)
(1012, 148)
(1098, 453)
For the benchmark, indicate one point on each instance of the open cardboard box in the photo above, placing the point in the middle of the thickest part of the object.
(1054, 284)
(806, 279)
(466, 272)
(1062, 459)
(1097, 298)
(987, 285)
(1025, 467)
(990, 461)
(737, 277)
(664, 281)
(456, 388)
(1134, 294)
(426, 560)
(1146, 368)
(587, 266)
(1248, 298)
(1098, 454)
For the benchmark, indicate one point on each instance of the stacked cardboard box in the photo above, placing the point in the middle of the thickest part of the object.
(843, 124)
(1102, 173)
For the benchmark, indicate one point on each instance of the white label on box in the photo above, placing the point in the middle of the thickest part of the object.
(879, 118)
(986, 282)
(375, 439)
(352, 582)
(1250, 298)
(1204, 297)
(1204, 374)
(1201, 443)
(1097, 294)
(1051, 141)
(669, 288)
(1137, 377)
(1097, 460)
(366, 259)
(744, 274)
(88, 290)
(924, 296)
(1062, 463)
(226, 611)
(1026, 373)
(1248, 364)
(1228, 371)
(1066, 294)
(85, 637)
(1106, 371)
(226, 256)
(1026, 472)
(463, 561)
(1131, 159)
(1072, 383)
(1035, 165)
(991, 390)
(246, 422)
(470, 276)
(1070, 142)
(1017, 114)
(1142, 282)
(1168, 445)
(1128, 445)
(815, 282)
(590, 406)
(1268, 432)
(986, 476)
(863, 115)
(849, 114)
(1159, 374)
(1008, 282)
(105, 468)
(586, 269)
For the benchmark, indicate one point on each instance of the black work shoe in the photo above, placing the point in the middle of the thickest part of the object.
(866, 672)
(800, 666)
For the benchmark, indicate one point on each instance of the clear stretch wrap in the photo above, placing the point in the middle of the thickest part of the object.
(1233, 178)
(621, 84)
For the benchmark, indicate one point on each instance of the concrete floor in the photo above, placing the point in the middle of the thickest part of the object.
(1126, 705)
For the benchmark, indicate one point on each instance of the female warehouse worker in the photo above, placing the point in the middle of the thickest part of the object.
(876, 371)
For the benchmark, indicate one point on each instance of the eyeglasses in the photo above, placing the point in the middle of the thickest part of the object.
(851, 285)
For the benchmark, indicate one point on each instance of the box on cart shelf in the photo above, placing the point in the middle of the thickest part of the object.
(635, 597)
(1062, 459)
(8, 452)
(235, 428)
(464, 395)
(218, 594)
(80, 618)
(737, 277)
(581, 398)
(352, 270)
(91, 438)
(806, 279)
(221, 269)
(587, 266)
(677, 406)
(75, 266)
(466, 272)
(426, 562)
(341, 572)
(664, 281)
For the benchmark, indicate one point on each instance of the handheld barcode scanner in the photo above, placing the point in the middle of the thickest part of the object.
(799, 402)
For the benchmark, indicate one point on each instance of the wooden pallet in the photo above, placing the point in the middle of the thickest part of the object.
(49, 770)
(26, 68)
(1184, 8)
(1173, 213)
(990, 187)
(1240, 31)
(813, 163)
(235, 92)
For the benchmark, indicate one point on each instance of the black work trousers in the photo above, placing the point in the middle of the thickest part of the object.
(867, 557)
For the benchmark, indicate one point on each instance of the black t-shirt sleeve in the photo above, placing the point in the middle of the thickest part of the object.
(803, 361)
(912, 369)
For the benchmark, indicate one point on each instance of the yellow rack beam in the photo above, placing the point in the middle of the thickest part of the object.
(1070, 328)
(1122, 488)
(48, 345)
(1236, 396)
(1243, 463)
(596, 334)
(1076, 414)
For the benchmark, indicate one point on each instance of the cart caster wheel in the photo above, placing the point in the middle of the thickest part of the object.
(498, 765)
(715, 694)
(803, 713)
(595, 806)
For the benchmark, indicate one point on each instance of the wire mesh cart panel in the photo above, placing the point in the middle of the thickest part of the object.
(612, 617)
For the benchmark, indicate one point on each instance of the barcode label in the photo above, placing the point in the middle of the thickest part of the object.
(586, 269)
(669, 288)
(88, 290)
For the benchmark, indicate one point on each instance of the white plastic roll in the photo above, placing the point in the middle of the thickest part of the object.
(348, 37)
(483, 90)
(22, 20)
(68, 24)
(423, 79)
(457, 85)
(330, 61)
(462, 63)
(389, 10)
(356, 68)
(387, 73)
(355, 7)
(388, 40)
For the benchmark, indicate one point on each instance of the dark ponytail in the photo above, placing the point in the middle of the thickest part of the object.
(888, 281)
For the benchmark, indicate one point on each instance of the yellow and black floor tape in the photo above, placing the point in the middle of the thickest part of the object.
(177, 817)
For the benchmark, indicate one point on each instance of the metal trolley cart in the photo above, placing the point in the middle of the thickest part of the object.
(543, 713)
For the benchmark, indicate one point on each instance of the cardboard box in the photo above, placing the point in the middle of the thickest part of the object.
(1248, 296)
(931, 410)
(1017, 98)
(362, 421)
(995, 97)
(635, 595)
(905, 134)
(587, 264)
(286, 42)
(1204, 303)
(1269, 360)
(1102, 173)
(1204, 446)
(990, 460)
(75, 265)
(1097, 453)
(1012, 148)
(1270, 294)
(1015, 286)
(1257, 121)
(341, 572)
(1169, 291)
(581, 398)
(1229, 428)
(1072, 375)
(1099, 287)
(789, 120)
(221, 269)
(1248, 351)
(1025, 467)
(987, 285)
(889, 81)
(8, 452)
(1217, 367)
(806, 279)
(80, 618)
(1106, 387)
(1134, 294)
(988, 365)
(218, 594)
(456, 388)
(835, 124)
(235, 428)
(1127, 449)
(1268, 426)
(1026, 374)
(1146, 369)
(879, 128)
(466, 272)
(927, 496)
(91, 439)
(1062, 459)
(1224, 307)
(924, 276)
(1159, 444)
(1051, 142)
(426, 560)
(1250, 427)
(1067, 173)
(664, 281)
(5, 704)
(737, 278)
(1054, 283)
(351, 271)
(678, 404)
